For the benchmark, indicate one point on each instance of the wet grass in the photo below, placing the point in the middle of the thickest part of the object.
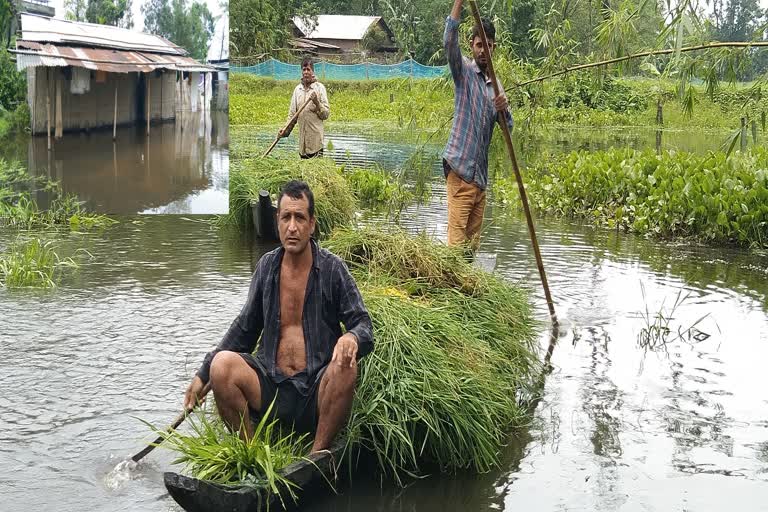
(453, 349)
(32, 263)
(335, 204)
(211, 452)
(18, 210)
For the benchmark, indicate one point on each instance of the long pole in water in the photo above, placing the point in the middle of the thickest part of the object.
(518, 176)
(179, 419)
(291, 122)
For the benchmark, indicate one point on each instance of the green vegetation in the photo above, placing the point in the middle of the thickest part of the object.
(188, 23)
(577, 100)
(213, 453)
(31, 263)
(454, 346)
(709, 198)
(19, 211)
(335, 203)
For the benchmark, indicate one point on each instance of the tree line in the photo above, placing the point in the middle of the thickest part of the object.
(530, 29)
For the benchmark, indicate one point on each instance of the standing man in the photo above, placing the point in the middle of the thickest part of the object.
(312, 117)
(465, 160)
(299, 296)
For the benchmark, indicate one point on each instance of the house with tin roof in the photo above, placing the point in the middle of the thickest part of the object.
(341, 34)
(83, 76)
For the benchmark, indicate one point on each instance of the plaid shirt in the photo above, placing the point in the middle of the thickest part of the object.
(331, 297)
(475, 115)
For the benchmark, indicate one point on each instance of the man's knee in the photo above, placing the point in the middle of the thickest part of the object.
(222, 367)
(342, 375)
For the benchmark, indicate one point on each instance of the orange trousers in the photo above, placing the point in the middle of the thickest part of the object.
(466, 204)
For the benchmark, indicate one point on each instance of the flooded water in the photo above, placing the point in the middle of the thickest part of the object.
(620, 425)
(182, 167)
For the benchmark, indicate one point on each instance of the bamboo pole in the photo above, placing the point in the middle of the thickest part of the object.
(48, 104)
(709, 46)
(114, 119)
(287, 128)
(513, 158)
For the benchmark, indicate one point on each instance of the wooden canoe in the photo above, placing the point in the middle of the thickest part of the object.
(200, 496)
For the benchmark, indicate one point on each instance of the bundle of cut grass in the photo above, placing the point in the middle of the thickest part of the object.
(31, 263)
(454, 347)
(215, 454)
(334, 202)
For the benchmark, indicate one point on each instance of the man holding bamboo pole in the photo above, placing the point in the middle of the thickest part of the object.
(310, 119)
(465, 160)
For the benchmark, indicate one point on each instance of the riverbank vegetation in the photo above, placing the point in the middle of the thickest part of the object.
(708, 198)
(19, 209)
(32, 263)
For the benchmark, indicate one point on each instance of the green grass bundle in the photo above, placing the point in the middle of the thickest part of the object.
(211, 452)
(335, 203)
(454, 348)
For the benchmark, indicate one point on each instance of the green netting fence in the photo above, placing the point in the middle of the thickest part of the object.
(329, 71)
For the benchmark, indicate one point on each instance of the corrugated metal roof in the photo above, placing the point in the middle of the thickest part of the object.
(32, 54)
(218, 51)
(333, 26)
(42, 29)
(306, 43)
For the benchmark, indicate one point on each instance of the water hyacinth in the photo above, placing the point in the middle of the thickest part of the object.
(710, 198)
(454, 348)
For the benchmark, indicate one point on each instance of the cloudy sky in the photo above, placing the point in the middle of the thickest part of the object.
(138, 19)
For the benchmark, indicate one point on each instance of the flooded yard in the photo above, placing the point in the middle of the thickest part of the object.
(622, 424)
(182, 167)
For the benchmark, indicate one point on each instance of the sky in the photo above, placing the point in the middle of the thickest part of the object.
(138, 19)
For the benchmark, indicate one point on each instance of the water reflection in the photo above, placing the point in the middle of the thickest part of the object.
(182, 167)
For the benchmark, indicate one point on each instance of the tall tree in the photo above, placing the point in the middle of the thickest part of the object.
(75, 9)
(189, 26)
(106, 12)
(737, 20)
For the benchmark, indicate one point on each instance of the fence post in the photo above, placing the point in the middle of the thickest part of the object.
(366, 71)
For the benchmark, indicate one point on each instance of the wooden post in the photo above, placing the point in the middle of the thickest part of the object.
(114, 121)
(48, 104)
(659, 113)
(511, 149)
(743, 133)
(754, 132)
(59, 123)
(149, 96)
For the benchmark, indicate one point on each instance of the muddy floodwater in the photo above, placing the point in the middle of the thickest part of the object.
(679, 424)
(181, 167)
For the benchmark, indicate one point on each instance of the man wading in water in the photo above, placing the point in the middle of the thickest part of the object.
(465, 160)
(312, 117)
(298, 296)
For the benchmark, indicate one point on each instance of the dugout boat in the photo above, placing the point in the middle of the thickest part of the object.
(320, 470)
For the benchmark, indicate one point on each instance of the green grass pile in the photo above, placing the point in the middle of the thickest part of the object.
(335, 203)
(454, 348)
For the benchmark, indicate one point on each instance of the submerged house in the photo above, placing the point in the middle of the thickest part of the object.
(82, 76)
(341, 34)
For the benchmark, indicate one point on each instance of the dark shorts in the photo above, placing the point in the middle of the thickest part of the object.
(293, 407)
(313, 155)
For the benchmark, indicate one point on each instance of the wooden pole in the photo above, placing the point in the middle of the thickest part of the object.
(513, 158)
(148, 100)
(48, 104)
(59, 123)
(286, 130)
(743, 144)
(114, 119)
(181, 417)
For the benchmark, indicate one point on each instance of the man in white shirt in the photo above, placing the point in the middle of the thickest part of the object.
(311, 118)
